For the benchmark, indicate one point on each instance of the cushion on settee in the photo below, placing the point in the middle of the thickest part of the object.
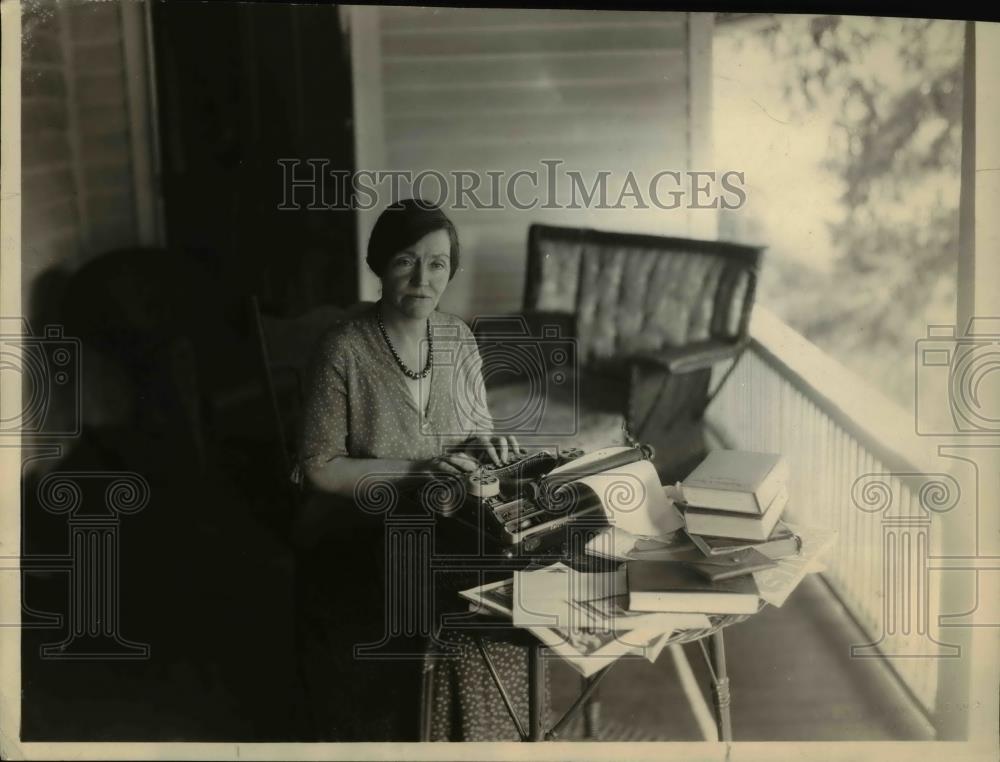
(638, 293)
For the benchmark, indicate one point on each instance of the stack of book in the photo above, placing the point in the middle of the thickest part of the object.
(721, 575)
(736, 495)
(732, 505)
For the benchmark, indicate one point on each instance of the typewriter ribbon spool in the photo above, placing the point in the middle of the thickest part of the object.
(484, 485)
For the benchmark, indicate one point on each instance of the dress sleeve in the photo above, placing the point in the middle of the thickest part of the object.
(324, 434)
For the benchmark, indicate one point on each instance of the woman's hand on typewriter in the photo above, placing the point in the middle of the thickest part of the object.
(451, 463)
(498, 448)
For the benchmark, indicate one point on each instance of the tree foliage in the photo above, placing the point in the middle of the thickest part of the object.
(895, 88)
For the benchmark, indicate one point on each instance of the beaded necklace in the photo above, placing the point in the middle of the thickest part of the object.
(416, 376)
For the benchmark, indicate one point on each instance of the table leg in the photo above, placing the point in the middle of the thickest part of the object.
(500, 686)
(536, 693)
(720, 687)
(591, 712)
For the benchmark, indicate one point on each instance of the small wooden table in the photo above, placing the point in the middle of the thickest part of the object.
(484, 628)
(710, 641)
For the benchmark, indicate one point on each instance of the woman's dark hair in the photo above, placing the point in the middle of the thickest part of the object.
(403, 224)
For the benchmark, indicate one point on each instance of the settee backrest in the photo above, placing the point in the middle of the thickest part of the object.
(632, 292)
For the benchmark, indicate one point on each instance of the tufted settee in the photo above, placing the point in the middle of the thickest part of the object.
(647, 318)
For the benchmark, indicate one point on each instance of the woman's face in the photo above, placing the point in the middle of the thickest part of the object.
(416, 277)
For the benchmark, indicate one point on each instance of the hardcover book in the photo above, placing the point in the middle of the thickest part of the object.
(780, 544)
(736, 481)
(732, 565)
(756, 527)
(673, 586)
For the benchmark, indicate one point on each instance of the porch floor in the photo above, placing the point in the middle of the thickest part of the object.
(792, 678)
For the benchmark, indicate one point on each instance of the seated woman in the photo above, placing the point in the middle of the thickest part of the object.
(396, 391)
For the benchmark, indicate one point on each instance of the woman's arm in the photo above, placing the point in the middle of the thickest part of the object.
(318, 514)
(340, 476)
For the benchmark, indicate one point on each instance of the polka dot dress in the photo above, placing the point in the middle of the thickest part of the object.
(359, 404)
(467, 705)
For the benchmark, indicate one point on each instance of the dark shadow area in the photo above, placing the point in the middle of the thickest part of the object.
(172, 392)
(242, 86)
(203, 573)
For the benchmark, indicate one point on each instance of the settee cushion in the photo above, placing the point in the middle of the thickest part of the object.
(635, 293)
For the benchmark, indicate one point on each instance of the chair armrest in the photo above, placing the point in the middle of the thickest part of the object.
(688, 359)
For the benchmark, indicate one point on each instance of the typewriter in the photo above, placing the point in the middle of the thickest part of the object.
(529, 506)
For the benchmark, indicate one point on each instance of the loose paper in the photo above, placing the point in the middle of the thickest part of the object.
(634, 500)
(778, 582)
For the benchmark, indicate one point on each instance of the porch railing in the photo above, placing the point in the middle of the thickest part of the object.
(852, 453)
